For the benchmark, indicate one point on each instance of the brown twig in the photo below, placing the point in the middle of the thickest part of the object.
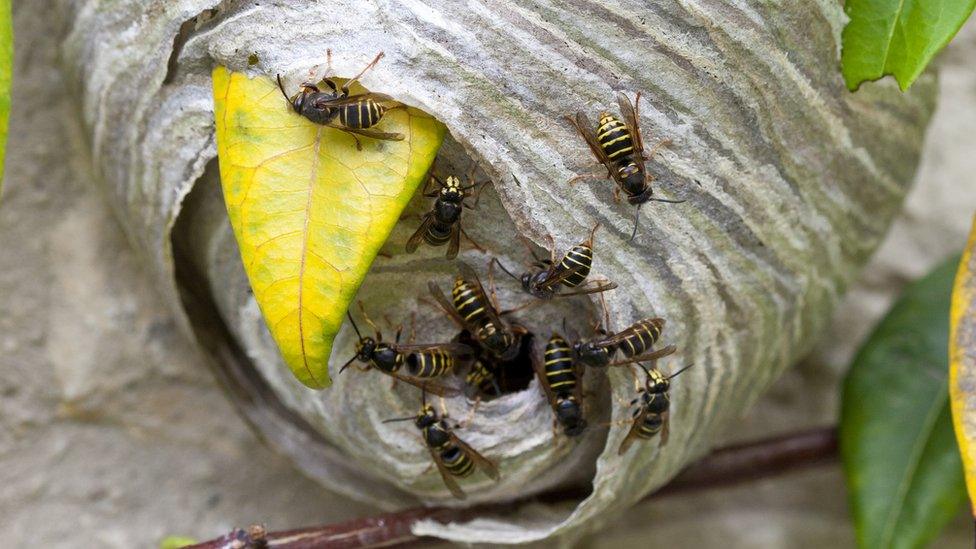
(725, 466)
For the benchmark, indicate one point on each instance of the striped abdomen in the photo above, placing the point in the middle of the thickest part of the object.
(437, 234)
(481, 376)
(643, 335)
(362, 114)
(430, 363)
(614, 138)
(470, 303)
(655, 404)
(454, 459)
(559, 366)
(580, 257)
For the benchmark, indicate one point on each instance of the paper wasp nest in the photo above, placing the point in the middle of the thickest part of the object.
(790, 183)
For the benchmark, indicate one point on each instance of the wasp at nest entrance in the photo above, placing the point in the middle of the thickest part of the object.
(490, 377)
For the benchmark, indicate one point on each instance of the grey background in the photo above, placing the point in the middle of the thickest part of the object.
(113, 434)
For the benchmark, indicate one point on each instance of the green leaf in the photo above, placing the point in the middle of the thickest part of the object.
(309, 209)
(176, 542)
(6, 62)
(897, 37)
(904, 476)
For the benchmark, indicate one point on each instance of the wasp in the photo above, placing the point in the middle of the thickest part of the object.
(356, 114)
(651, 415)
(472, 309)
(561, 378)
(442, 225)
(570, 272)
(619, 146)
(634, 343)
(421, 362)
(453, 457)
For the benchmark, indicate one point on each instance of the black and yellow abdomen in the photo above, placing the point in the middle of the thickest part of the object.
(454, 459)
(580, 257)
(468, 302)
(430, 363)
(559, 366)
(645, 334)
(655, 404)
(614, 138)
(362, 114)
(438, 234)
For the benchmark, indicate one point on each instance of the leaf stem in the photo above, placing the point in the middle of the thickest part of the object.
(724, 467)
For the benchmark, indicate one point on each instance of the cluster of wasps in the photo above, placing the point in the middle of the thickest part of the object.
(489, 337)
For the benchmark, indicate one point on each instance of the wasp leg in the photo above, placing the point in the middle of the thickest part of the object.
(470, 416)
(345, 87)
(616, 195)
(580, 177)
(654, 149)
(473, 243)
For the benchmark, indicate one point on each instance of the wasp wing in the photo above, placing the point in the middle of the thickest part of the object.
(480, 461)
(603, 286)
(418, 235)
(469, 275)
(629, 114)
(446, 305)
(584, 127)
(387, 136)
(425, 384)
(449, 481)
(455, 245)
(558, 274)
(619, 337)
(665, 427)
(648, 357)
(632, 433)
(454, 348)
(329, 102)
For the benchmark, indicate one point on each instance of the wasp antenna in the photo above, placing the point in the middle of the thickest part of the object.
(394, 420)
(668, 200)
(354, 327)
(681, 370)
(646, 371)
(502, 267)
(593, 232)
(636, 223)
(348, 362)
(282, 88)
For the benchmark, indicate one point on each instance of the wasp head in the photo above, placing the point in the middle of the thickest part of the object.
(426, 417)
(590, 354)
(570, 414)
(656, 382)
(632, 177)
(304, 91)
(365, 349)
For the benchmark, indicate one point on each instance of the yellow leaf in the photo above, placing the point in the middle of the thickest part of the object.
(310, 212)
(962, 362)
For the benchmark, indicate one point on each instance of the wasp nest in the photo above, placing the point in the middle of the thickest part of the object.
(790, 182)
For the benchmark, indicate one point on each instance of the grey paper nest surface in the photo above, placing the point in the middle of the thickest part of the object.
(790, 182)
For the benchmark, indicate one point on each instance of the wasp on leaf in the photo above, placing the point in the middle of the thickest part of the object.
(619, 146)
(356, 114)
